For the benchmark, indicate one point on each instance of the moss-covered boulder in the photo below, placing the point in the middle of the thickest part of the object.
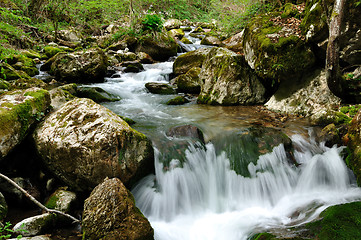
(24, 83)
(84, 142)
(52, 50)
(186, 61)
(80, 67)
(309, 97)
(160, 88)
(353, 139)
(159, 46)
(8, 73)
(132, 66)
(20, 109)
(26, 64)
(176, 33)
(226, 79)
(277, 53)
(179, 100)
(96, 94)
(110, 213)
(61, 200)
(189, 82)
(3, 207)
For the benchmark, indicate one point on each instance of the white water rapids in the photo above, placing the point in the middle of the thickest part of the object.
(201, 197)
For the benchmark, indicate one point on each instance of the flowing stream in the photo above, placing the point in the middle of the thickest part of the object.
(195, 192)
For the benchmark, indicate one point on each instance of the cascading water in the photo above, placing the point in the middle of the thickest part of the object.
(195, 194)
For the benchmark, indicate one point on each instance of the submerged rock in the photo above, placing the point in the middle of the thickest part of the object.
(84, 142)
(226, 79)
(186, 131)
(160, 88)
(110, 213)
(19, 110)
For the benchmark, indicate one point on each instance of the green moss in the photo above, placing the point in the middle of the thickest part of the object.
(179, 100)
(4, 84)
(338, 222)
(51, 51)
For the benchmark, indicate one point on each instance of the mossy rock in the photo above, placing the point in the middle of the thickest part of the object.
(9, 73)
(289, 10)
(28, 83)
(186, 61)
(96, 94)
(4, 85)
(20, 109)
(61, 200)
(176, 33)
(189, 82)
(353, 139)
(186, 40)
(31, 54)
(274, 54)
(128, 120)
(338, 222)
(179, 100)
(51, 51)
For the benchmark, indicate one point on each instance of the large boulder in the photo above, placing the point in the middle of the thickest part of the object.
(84, 142)
(82, 66)
(36, 225)
(110, 213)
(61, 200)
(19, 110)
(226, 79)
(160, 46)
(186, 61)
(159, 88)
(276, 51)
(308, 97)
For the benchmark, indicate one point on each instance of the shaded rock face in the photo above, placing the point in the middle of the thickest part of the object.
(19, 110)
(84, 142)
(80, 67)
(186, 61)
(110, 213)
(226, 79)
(3, 207)
(160, 47)
(309, 97)
(314, 26)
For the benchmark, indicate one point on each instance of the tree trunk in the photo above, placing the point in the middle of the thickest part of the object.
(333, 71)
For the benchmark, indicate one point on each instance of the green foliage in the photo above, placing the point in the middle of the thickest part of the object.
(6, 231)
(350, 110)
(152, 22)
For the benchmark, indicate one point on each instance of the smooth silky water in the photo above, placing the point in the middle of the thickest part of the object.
(195, 194)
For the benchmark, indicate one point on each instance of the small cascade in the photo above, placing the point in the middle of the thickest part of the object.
(203, 198)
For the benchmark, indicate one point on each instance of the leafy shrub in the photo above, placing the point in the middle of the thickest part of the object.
(152, 22)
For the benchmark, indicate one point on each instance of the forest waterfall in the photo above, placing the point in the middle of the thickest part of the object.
(205, 199)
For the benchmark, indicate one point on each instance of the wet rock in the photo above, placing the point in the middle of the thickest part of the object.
(20, 109)
(160, 88)
(330, 135)
(179, 100)
(132, 66)
(125, 55)
(3, 207)
(186, 61)
(84, 142)
(172, 24)
(80, 67)
(96, 94)
(226, 79)
(61, 200)
(110, 213)
(50, 50)
(186, 131)
(35, 225)
(189, 82)
(26, 64)
(211, 40)
(309, 97)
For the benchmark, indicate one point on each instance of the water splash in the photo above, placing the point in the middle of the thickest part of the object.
(202, 198)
